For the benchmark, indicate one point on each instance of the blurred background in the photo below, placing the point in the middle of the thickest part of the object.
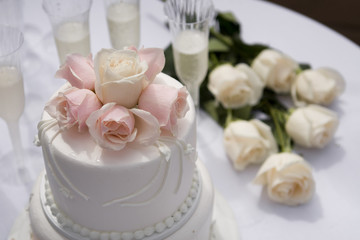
(342, 16)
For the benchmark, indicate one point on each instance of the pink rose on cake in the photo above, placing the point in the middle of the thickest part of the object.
(79, 71)
(166, 103)
(114, 126)
(72, 107)
(121, 75)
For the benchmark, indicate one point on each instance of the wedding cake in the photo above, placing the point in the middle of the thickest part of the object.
(119, 147)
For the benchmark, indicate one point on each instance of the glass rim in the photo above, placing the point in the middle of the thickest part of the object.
(49, 13)
(21, 40)
(208, 19)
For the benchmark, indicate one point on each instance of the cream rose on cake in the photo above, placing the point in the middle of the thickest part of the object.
(72, 107)
(121, 75)
(248, 142)
(114, 126)
(276, 70)
(317, 86)
(235, 87)
(312, 126)
(288, 178)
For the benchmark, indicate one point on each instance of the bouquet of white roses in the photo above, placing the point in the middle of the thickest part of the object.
(243, 83)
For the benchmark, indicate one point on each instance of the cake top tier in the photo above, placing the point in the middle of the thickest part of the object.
(115, 99)
(119, 142)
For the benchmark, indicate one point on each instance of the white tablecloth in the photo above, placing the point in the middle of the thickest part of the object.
(333, 213)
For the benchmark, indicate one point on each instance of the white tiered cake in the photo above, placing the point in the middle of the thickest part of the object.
(146, 192)
(141, 191)
(119, 147)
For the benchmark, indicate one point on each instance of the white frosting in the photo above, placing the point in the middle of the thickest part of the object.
(159, 230)
(126, 191)
(197, 226)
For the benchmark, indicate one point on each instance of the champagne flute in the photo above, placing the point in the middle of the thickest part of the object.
(123, 19)
(189, 22)
(12, 97)
(70, 24)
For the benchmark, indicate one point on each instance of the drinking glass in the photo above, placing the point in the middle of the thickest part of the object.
(12, 98)
(70, 23)
(189, 23)
(11, 13)
(123, 19)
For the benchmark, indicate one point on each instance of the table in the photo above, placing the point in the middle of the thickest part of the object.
(333, 213)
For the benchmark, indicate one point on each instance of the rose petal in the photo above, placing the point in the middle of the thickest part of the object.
(79, 71)
(166, 103)
(181, 103)
(155, 59)
(147, 126)
(158, 100)
(100, 58)
(90, 104)
(119, 92)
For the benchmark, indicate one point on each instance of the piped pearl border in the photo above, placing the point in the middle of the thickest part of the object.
(160, 230)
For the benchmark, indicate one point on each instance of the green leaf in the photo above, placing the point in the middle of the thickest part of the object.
(305, 66)
(211, 108)
(243, 112)
(228, 16)
(169, 67)
(277, 114)
(226, 40)
(215, 45)
(228, 25)
(279, 118)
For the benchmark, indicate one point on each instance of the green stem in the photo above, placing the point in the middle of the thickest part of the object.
(279, 119)
(229, 117)
(226, 40)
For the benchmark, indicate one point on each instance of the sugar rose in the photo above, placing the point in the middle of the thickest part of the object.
(275, 69)
(318, 86)
(312, 126)
(121, 75)
(114, 126)
(288, 178)
(248, 142)
(72, 107)
(235, 87)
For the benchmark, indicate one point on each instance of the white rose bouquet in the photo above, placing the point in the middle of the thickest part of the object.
(241, 92)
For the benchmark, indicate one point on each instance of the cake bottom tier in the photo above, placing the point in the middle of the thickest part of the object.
(198, 227)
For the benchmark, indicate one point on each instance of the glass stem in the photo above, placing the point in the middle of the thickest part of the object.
(194, 92)
(14, 130)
